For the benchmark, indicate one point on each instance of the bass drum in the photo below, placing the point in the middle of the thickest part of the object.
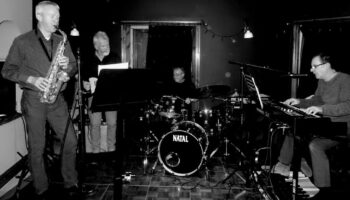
(182, 150)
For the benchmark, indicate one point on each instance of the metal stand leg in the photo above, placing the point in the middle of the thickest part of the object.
(206, 169)
(226, 141)
(238, 150)
(24, 172)
(154, 166)
(148, 150)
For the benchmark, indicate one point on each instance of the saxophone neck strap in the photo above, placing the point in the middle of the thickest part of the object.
(48, 53)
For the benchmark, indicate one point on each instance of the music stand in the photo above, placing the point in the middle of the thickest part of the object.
(253, 89)
(116, 89)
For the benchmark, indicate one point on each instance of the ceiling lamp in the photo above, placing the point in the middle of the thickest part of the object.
(247, 33)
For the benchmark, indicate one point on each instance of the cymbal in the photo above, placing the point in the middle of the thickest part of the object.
(170, 115)
(214, 91)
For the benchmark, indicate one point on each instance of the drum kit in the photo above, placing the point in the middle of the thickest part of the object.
(181, 131)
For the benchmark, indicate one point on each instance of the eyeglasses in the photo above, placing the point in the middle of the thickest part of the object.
(315, 66)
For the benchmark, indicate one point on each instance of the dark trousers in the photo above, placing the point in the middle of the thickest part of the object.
(320, 163)
(36, 114)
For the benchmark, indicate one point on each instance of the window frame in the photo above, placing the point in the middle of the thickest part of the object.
(127, 39)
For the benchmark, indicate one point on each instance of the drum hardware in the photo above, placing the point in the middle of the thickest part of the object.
(168, 108)
(184, 114)
(154, 165)
(145, 164)
(242, 163)
(211, 120)
(226, 143)
(173, 109)
(243, 160)
(148, 139)
(250, 174)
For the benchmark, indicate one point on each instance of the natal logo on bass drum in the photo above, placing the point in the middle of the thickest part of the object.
(180, 138)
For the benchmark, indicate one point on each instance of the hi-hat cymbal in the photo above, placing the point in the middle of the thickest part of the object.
(214, 91)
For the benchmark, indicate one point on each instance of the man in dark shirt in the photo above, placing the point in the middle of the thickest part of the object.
(181, 86)
(102, 56)
(179, 93)
(27, 64)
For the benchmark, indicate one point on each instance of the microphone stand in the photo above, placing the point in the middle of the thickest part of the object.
(81, 140)
(81, 109)
(86, 191)
(284, 73)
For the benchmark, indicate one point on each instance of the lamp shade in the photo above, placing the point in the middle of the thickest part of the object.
(247, 33)
(74, 32)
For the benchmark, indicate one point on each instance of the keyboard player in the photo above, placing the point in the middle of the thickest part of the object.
(331, 99)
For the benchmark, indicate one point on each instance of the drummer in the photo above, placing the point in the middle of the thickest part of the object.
(181, 87)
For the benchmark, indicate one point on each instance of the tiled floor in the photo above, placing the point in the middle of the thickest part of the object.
(219, 177)
(206, 183)
(216, 179)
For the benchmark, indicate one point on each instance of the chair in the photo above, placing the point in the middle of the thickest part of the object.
(340, 162)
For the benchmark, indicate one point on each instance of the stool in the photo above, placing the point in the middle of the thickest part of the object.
(339, 162)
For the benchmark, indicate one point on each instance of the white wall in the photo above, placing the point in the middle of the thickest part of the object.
(12, 134)
(19, 11)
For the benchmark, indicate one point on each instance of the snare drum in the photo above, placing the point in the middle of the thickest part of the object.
(182, 150)
(170, 107)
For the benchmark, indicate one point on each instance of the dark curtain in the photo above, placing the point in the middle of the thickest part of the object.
(332, 37)
(169, 46)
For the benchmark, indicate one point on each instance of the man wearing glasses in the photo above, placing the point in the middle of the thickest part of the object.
(331, 99)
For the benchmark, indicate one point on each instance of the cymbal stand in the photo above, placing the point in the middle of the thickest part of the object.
(242, 163)
(226, 143)
(241, 101)
(225, 140)
(150, 135)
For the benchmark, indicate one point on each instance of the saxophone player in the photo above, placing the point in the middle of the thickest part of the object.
(27, 64)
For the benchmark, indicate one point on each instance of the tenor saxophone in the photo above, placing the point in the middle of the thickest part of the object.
(49, 94)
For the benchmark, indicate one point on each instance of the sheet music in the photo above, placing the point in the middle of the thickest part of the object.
(124, 65)
(250, 82)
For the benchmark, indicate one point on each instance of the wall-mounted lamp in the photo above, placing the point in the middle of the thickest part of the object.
(74, 32)
(247, 33)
